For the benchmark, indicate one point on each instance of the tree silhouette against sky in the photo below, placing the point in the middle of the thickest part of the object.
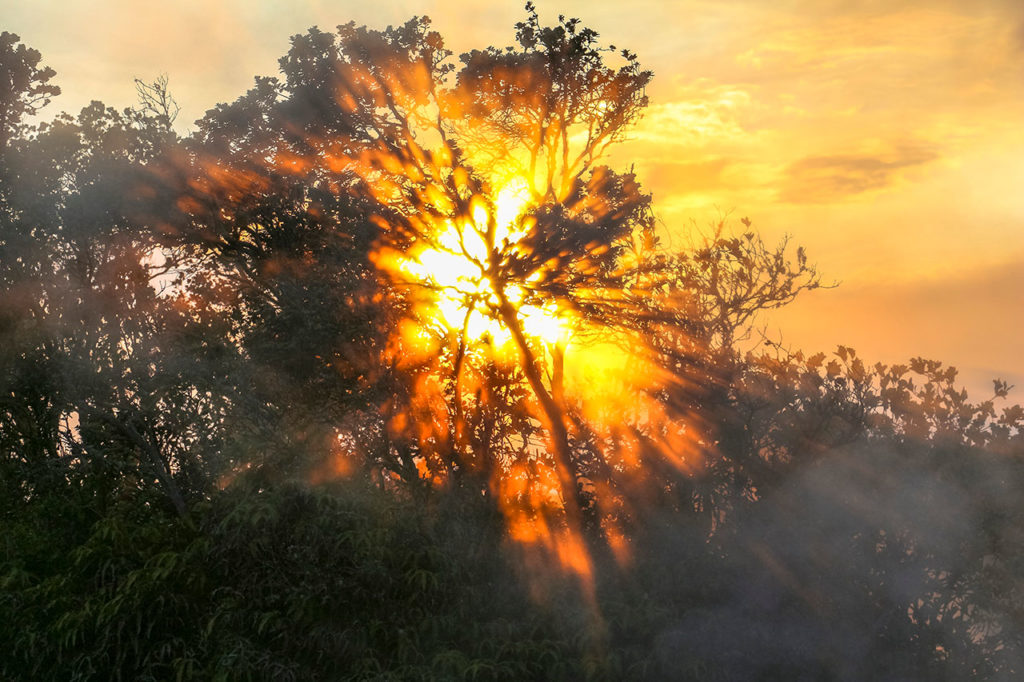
(544, 344)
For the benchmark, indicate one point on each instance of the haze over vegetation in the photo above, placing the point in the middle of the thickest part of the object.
(388, 371)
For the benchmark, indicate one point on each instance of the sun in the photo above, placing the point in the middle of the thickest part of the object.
(454, 268)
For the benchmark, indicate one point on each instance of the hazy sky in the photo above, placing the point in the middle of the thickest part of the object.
(887, 136)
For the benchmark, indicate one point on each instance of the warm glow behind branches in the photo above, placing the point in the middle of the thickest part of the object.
(454, 268)
(523, 356)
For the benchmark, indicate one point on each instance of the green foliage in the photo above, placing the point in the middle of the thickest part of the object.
(295, 583)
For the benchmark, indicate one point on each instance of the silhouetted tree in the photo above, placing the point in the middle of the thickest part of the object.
(24, 86)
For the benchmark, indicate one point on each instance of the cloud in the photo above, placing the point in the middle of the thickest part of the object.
(683, 177)
(823, 179)
(708, 114)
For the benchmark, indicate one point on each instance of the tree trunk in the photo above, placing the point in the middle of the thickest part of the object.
(552, 417)
(154, 459)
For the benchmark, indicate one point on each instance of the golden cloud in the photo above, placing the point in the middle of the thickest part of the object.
(822, 179)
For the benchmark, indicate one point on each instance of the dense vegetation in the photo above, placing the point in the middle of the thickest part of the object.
(220, 458)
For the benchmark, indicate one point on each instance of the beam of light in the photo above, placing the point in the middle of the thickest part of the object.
(519, 308)
(612, 382)
(456, 264)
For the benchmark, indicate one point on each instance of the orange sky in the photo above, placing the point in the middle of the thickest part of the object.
(885, 135)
